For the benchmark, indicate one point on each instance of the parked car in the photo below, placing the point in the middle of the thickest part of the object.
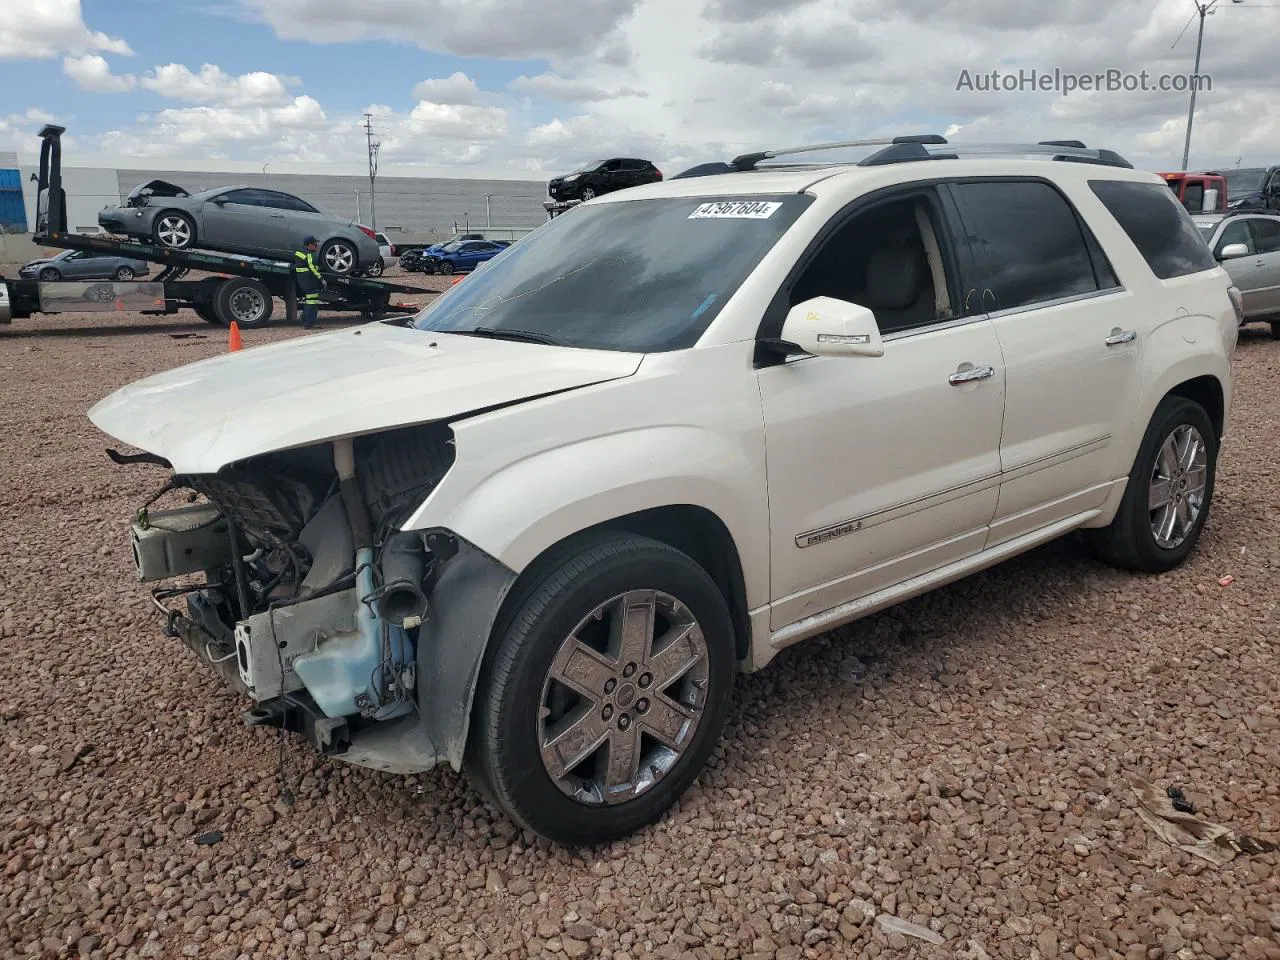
(537, 531)
(84, 265)
(249, 220)
(411, 260)
(599, 177)
(1253, 188)
(1248, 247)
(462, 256)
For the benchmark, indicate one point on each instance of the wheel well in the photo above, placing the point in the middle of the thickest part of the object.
(1207, 392)
(694, 531)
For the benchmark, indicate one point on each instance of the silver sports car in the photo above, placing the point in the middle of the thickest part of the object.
(246, 220)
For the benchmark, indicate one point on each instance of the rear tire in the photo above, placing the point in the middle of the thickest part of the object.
(1135, 538)
(208, 314)
(339, 257)
(245, 300)
(374, 270)
(670, 604)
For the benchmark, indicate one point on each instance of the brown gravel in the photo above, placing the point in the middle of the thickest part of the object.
(958, 762)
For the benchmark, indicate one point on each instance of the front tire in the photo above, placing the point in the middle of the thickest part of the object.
(587, 193)
(374, 270)
(49, 275)
(1170, 488)
(605, 689)
(174, 230)
(445, 268)
(124, 273)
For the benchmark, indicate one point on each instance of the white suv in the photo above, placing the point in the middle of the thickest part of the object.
(535, 529)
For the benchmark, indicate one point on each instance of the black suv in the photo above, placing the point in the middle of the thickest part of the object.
(602, 176)
(1253, 188)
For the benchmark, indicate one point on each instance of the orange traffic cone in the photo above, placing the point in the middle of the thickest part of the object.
(233, 341)
(456, 280)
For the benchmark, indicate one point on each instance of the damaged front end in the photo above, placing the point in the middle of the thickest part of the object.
(339, 625)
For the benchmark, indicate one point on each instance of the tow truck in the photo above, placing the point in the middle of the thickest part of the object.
(239, 288)
(1199, 192)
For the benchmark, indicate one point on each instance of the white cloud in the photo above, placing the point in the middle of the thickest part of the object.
(683, 81)
(213, 85)
(93, 73)
(477, 28)
(555, 87)
(46, 28)
(455, 88)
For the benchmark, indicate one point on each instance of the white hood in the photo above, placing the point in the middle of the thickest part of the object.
(205, 415)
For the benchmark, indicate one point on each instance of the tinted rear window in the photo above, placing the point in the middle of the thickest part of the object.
(1158, 225)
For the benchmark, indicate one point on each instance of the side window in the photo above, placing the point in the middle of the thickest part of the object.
(1193, 197)
(1235, 232)
(888, 259)
(1159, 227)
(1268, 234)
(1027, 241)
(290, 202)
(613, 165)
(248, 198)
(277, 201)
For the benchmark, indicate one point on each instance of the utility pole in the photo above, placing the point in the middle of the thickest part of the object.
(488, 223)
(373, 146)
(1202, 10)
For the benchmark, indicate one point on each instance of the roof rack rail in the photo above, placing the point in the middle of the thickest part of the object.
(748, 161)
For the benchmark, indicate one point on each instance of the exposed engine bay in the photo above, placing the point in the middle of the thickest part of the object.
(313, 601)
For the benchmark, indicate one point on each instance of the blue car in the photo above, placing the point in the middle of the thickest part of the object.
(462, 256)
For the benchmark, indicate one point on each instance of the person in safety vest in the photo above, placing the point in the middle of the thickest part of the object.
(307, 281)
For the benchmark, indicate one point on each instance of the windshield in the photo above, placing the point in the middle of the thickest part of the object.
(589, 165)
(1245, 180)
(638, 275)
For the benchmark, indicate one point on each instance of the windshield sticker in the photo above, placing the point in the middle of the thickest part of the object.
(736, 210)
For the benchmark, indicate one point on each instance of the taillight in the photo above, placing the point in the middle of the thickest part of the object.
(659, 172)
(368, 233)
(1237, 303)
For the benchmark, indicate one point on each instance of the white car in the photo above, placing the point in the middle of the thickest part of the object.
(1248, 246)
(536, 529)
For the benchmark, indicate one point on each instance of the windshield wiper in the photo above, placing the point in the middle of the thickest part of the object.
(505, 333)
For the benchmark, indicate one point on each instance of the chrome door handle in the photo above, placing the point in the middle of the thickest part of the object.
(1119, 336)
(970, 375)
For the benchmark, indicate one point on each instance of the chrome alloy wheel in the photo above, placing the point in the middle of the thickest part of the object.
(340, 258)
(1175, 497)
(623, 697)
(174, 232)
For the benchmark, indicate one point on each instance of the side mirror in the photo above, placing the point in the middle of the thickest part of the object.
(1210, 203)
(827, 327)
(219, 201)
(1233, 250)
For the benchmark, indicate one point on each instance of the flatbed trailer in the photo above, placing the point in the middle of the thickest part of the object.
(239, 288)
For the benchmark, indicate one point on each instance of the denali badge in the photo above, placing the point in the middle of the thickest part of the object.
(815, 537)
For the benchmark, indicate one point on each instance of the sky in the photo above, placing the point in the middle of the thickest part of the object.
(541, 86)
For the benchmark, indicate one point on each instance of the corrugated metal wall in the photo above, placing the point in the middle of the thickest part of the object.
(408, 205)
(13, 212)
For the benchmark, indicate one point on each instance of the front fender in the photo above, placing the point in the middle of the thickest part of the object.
(529, 505)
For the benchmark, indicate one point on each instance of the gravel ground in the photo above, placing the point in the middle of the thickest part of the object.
(959, 762)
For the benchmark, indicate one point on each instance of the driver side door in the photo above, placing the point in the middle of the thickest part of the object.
(884, 468)
(238, 221)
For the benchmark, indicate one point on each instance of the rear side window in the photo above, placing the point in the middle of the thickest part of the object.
(1268, 234)
(1027, 242)
(1159, 227)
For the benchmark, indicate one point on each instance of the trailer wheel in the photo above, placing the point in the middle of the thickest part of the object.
(245, 300)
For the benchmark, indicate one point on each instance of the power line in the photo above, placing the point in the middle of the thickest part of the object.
(374, 146)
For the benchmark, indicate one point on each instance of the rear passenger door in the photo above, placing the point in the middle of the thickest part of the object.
(1070, 337)
(1266, 234)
